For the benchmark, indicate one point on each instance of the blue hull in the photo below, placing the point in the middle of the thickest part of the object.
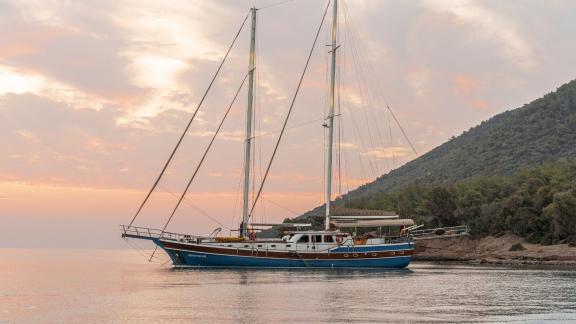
(183, 258)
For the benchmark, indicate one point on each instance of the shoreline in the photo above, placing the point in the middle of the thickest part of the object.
(494, 250)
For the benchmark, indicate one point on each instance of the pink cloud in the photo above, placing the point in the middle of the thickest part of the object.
(21, 40)
(480, 104)
(464, 84)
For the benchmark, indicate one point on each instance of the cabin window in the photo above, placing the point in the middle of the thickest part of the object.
(304, 239)
(259, 245)
(273, 245)
(288, 245)
(318, 238)
(246, 245)
(229, 245)
(328, 239)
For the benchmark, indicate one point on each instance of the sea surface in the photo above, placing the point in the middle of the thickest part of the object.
(120, 286)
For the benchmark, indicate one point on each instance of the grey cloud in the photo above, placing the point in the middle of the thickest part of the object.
(91, 64)
(84, 51)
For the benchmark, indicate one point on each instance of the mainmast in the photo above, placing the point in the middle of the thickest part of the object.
(248, 139)
(330, 117)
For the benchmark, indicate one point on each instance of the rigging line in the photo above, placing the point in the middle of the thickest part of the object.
(139, 250)
(204, 213)
(133, 247)
(391, 141)
(377, 81)
(236, 196)
(289, 110)
(324, 146)
(348, 172)
(183, 195)
(291, 127)
(189, 203)
(204, 155)
(189, 123)
(275, 4)
(258, 121)
(360, 60)
(339, 154)
(280, 206)
(342, 67)
(370, 77)
(252, 144)
(355, 128)
(402, 129)
(325, 103)
(362, 85)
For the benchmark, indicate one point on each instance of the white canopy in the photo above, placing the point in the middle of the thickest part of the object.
(365, 217)
(373, 223)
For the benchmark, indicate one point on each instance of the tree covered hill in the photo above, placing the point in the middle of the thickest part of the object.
(515, 171)
(538, 203)
(541, 131)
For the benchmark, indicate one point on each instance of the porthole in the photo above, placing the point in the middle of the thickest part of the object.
(355, 255)
(374, 254)
(345, 255)
(392, 253)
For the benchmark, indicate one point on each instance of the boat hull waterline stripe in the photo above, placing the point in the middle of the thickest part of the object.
(202, 259)
(203, 256)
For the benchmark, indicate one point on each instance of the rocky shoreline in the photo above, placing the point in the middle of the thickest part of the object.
(506, 249)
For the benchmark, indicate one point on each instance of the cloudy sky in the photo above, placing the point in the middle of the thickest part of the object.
(93, 95)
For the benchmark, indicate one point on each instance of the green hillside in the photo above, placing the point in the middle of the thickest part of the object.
(493, 158)
(538, 203)
(541, 131)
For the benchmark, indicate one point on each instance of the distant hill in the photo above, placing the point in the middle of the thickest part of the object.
(539, 132)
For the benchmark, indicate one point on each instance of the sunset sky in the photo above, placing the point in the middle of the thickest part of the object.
(94, 94)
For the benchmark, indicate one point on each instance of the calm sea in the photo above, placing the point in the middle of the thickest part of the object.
(59, 286)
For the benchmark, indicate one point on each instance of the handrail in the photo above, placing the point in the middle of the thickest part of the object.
(154, 233)
(440, 232)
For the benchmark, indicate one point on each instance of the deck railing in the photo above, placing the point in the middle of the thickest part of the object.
(440, 232)
(153, 233)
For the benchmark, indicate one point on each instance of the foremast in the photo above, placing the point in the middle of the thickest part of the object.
(248, 138)
(330, 118)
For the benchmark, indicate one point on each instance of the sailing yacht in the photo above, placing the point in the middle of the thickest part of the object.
(335, 246)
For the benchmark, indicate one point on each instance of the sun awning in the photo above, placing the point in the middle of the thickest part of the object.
(342, 211)
(373, 223)
(364, 217)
